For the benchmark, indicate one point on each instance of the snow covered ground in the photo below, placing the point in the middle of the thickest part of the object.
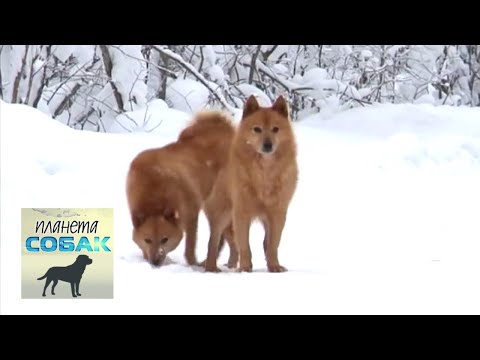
(385, 218)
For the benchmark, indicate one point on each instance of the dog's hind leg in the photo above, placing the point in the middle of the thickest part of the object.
(77, 286)
(218, 222)
(213, 244)
(72, 286)
(55, 282)
(49, 280)
(218, 212)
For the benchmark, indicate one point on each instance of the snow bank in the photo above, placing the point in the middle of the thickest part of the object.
(384, 220)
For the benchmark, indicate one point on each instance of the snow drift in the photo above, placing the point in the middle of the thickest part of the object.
(385, 218)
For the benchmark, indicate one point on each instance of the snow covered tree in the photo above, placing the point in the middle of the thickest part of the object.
(92, 86)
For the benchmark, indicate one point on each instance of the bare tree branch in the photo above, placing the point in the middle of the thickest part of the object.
(178, 59)
(266, 54)
(161, 93)
(65, 81)
(269, 73)
(84, 116)
(161, 68)
(111, 108)
(66, 101)
(155, 127)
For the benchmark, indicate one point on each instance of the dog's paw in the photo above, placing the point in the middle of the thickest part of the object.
(247, 268)
(79, 294)
(44, 295)
(277, 268)
(231, 264)
(74, 295)
(192, 261)
(213, 269)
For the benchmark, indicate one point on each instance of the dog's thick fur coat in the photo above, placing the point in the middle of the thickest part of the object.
(258, 183)
(167, 186)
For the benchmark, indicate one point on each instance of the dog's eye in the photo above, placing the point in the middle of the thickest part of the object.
(164, 241)
(275, 129)
(148, 241)
(257, 129)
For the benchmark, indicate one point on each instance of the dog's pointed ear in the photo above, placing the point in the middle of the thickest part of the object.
(281, 106)
(250, 106)
(171, 215)
(137, 219)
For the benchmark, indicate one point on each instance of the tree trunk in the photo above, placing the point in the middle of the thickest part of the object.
(43, 80)
(107, 62)
(162, 92)
(253, 65)
(16, 83)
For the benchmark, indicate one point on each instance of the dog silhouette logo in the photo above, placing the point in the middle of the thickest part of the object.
(71, 274)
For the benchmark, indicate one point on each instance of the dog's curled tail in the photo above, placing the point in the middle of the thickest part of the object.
(206, 121)
(43, 277)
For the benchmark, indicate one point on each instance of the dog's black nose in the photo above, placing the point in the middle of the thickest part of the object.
(158, 260)
(267, 147)
(155, 262)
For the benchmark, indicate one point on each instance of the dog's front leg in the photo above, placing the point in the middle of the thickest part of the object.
(241, 228)
(273, 234)
(72, 286)
(233, 257)
(266, 227)
(191, 240)
(77, 285)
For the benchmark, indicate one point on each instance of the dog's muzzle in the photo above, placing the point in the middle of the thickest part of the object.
(267, 147)
(159, 258)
